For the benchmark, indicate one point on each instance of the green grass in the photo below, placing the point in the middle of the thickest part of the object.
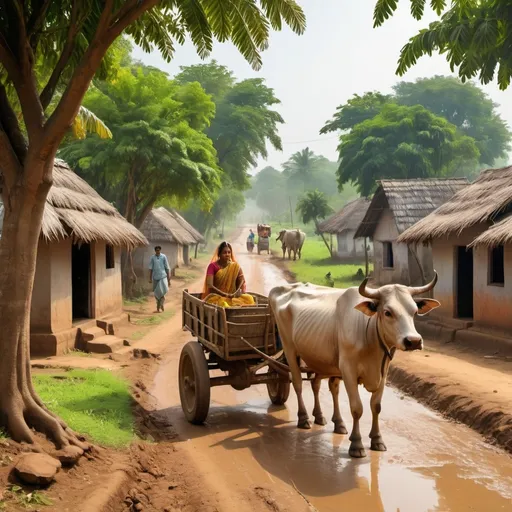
(95, 403)
(138, 301)
(138, 335)
(155, 319)
(3, 434)
(79, 353)
(27, 500)
(316, 263)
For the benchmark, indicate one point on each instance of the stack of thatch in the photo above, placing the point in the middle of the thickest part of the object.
(347, 219)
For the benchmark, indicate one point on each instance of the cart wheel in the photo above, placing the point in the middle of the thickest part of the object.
(194, 383)
(278, 391)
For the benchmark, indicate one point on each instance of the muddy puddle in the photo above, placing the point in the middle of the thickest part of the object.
(247, 445)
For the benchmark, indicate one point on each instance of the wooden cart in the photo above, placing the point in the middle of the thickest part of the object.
(228, 339)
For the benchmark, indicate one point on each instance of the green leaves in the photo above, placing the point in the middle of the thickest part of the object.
(473, 35)
(313, 206)
(400, 142)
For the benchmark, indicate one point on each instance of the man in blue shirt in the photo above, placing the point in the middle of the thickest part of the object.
(251, 236)
(159, 276)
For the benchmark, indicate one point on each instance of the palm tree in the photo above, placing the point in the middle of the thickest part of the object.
(302, 166)
(313, 207)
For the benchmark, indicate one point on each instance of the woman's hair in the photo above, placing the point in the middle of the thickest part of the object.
(222, 246)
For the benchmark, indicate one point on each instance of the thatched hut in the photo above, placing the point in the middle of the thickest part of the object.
(173, 233)
(78, 274)
(471, 241)
(344, 225)
(396, 206)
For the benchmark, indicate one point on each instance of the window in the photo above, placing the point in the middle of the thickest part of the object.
(109, 256)
(497, 266)
(387, 255)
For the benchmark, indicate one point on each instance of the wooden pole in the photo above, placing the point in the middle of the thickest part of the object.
(367, 265)
(291, 211)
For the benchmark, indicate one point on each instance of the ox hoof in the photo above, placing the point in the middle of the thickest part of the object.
(339, 428)
(304, 424)
(377, 445)
(320, 420)
(357, 450)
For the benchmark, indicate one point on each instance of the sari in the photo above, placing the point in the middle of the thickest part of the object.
(225, 279)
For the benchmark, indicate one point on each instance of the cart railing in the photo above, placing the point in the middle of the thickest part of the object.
(221, 330)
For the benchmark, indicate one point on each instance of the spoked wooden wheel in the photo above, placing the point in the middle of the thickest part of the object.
(194, 383)
(278, 391)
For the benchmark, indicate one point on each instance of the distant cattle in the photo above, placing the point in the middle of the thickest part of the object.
(349, 334)
(292, 240)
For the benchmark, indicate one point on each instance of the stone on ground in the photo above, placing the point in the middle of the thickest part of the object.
(37, 468)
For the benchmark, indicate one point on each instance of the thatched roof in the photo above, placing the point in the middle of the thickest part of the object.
(485, 200)
(191, 229)
(163, 225)
(499, 234)
(347, 219)
(75, 209)
(409, 201)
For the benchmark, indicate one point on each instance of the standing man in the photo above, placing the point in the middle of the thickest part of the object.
(251, 236)
(160, 276)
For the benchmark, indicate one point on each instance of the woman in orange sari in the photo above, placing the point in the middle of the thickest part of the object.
(225, 283)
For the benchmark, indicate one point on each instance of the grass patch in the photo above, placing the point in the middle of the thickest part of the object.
(96, 403)
(3, 434)
(79, 353)
(316, 263)
(137, 301)
(27, 500)
(138, 335)
(155, 319)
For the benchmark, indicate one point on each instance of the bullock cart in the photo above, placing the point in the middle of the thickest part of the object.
(235, 347)
(264, 234)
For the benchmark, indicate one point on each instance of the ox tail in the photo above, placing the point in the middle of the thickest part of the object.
(275, 365)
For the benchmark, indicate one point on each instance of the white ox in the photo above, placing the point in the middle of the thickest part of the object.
(292, 240)
(349, 334)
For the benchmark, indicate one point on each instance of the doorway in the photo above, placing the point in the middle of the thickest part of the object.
(81, 281)
(464, 298)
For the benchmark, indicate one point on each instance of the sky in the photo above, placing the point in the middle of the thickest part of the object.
(340, 55)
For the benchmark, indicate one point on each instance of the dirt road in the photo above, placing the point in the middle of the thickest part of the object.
(253, 458)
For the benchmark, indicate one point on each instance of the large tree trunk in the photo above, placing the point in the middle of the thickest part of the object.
(20, 407)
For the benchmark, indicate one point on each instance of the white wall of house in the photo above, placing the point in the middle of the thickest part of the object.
(349, 247)
(384, 245)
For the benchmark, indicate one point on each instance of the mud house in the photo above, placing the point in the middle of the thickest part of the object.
(343, 225)
(396, 206)
(77, 287)
(471, 241)
(170, 230)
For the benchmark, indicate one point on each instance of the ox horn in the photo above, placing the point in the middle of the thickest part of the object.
(369, 293)
(418, 290)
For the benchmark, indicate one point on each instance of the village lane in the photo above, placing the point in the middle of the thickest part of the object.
(253, 458)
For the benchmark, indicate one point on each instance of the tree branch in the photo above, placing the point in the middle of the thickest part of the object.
(67, 51)
(67, 109)
(131, 11)
(35, 22)
(11, 126)
(9, 163)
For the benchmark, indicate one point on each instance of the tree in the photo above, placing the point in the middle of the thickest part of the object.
(464, 105)
(312, 208)
(68, 43)
(159, 150)
(243, 125)
(474, 37)
(400, 142)
(270, 191)
(302, 167)
(244, 121)
(356, 110)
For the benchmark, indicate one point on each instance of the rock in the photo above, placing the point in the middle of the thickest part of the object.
(127, 343)
(37, 468)
(172, 486)
(69, 456)
(138, 506)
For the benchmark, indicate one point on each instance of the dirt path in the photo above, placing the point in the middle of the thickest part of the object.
(251, 457)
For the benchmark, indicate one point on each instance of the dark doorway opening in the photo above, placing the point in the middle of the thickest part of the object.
(81, 281)
(464, 265)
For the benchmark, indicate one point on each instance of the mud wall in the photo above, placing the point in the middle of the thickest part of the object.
(107, 287)
(387, 231)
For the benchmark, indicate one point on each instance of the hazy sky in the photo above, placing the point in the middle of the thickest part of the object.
(339, 55)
